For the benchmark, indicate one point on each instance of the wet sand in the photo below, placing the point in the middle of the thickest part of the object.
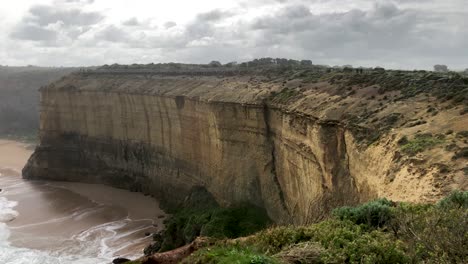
(66, 218)
(13, 156)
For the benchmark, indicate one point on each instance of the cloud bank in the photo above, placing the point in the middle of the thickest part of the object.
(390, 33)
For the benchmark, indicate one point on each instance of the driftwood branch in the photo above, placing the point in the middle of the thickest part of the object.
(176, 255)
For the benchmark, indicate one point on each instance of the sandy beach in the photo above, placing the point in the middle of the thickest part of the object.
(73, 219)
(13, 156)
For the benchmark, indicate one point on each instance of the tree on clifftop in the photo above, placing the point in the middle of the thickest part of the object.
(440, 68)
(231, 64)
(215, 64)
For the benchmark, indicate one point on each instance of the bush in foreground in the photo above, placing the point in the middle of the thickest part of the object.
(380, 231)
(200, 215)
(228, 254)
(335, 241)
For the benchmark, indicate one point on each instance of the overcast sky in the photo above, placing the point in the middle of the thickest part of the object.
(404, 34)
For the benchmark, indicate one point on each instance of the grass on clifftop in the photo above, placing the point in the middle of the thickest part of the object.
(380, 231)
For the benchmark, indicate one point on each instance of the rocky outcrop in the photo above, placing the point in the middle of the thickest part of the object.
(288, 147)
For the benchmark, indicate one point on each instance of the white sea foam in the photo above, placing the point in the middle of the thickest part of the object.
(15, 255)
(6, 210)
(86, 238)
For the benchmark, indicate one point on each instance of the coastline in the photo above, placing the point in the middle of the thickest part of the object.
(74, 219)
(14, 154)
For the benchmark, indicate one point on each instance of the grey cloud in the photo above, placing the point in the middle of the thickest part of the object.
(34, 33)
(289, 19)
(112, 34)
(213, 16)
(199, 30)
(385, 10)
(47, 23)
(387, 34)
(347, 34)
(170, 24)
(204, 24)
(44, 15)
(390, 33)
(131, 22)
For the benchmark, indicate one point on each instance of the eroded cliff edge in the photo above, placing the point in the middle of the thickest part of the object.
(293, 146)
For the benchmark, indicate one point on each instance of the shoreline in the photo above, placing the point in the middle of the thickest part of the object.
(15, 154)
(74, 218)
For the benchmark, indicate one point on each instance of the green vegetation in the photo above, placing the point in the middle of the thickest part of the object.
(403, 141)
(456, 199)
(380, 231)
(446, 86)
(187, 224)
(434, 234)
(201, 216)
(462, 153)
(375, 214)
(227, 254)
(462, 134)
(420, 143)
(284, 95)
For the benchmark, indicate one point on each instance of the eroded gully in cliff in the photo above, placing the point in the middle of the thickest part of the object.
(269, 138)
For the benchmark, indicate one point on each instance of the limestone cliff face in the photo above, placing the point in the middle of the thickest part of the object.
(163, 135)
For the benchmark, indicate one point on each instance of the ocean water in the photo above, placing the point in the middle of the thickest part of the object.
(58, 222)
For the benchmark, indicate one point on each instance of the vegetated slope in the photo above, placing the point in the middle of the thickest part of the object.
(19, 97)
(297, 141)
(412, 125)
(380, 231)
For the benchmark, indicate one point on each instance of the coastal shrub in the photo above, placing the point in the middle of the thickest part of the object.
(464, 111)
(284, 95)
(434, 234)
(227, 254)
(403, 140)
(331, 241)
(273, 240)
(305, 252)
(373, 214)
(200, 215)
(463, 134)
(391, 119)
(346, 242)
(462, 153)
(456, 199)
(379, 231)
(420, 143)
(235, 221)
(187, 224)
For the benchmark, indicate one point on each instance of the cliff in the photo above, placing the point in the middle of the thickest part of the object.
(295, 143)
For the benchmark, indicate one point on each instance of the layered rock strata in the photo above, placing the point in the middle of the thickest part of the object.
(239, 137)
